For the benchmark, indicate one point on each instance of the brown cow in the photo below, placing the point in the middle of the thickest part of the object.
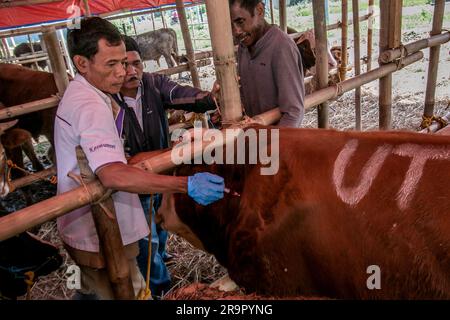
(344, 207)
(19, 85)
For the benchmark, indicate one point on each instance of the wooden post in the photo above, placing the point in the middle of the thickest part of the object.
(356, 44)
(66, 53)
(393, 54)
(344, 33)
(87, 10)
(320, 32)
(110, 240)
(438, 17)
(188, 43)
(163, 19)
(219, 22)
(32, 50)
(390, 35)
(370, 35)
(153, 21)
(272, 19)
(283, 15)
(134, 25)
(56, 59)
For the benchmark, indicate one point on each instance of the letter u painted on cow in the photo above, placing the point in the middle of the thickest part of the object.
(352, 195)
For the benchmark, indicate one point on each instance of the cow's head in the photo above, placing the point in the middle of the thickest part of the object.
(15, 138)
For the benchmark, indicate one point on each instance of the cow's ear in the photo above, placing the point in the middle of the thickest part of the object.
(81, 63)
(6, 125)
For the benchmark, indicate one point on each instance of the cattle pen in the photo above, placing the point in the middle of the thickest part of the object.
(393, 56)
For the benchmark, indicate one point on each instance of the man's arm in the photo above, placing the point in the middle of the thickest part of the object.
(203, 187)
(123, 177)
(288, 77)
(185, 98)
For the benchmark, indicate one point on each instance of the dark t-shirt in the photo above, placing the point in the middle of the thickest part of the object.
(273, 77)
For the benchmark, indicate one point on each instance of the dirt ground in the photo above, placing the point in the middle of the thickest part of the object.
(193, 266)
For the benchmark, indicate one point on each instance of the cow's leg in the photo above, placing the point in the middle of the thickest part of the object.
(169, 220)
(16, 157)
(225, 284)
(31, 154)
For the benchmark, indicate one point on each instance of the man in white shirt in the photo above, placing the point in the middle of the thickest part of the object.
(85, 118)
(143, 126)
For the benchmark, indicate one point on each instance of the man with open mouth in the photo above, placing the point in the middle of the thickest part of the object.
(269, 64)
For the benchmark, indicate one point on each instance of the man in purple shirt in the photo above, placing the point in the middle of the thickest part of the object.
(269, 64)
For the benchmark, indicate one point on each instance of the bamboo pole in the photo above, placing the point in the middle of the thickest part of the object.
(283, 15)
(134, 25)
(370, 35)
(393, 54)
(330, 27)
(27, 180)
(22, 61)
(356, 46)
(188, 43)
(163, 19)
(56, 60)
(272, 20)
(87, 10)
(344, 34)
(65, 51)
(110, 239)
(59, 205)
(153, 21)
(320, 33)
(29, 107)
(219, 22)
(183, 67)
(438, 18)
(390, 34)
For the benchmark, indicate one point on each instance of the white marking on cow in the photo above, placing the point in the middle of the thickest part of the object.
(352, 195)
(419, 155)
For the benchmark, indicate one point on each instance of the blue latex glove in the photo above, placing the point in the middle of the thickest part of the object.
(205, 187)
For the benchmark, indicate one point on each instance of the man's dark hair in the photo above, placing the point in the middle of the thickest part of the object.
(84, 40)
(248, 5)
(131, 44)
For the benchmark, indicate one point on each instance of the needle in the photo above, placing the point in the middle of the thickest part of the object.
(233, 193)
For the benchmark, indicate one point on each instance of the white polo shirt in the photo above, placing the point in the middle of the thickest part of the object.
(136, 105)
(85, 118)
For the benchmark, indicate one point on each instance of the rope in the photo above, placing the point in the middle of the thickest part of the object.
(339, 89)
(428, 121)
(400, 61)
(146, 294)
(29, 280)
(92, 201)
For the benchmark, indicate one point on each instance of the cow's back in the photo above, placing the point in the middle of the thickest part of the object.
(20, 85)
(328, 215)
(155, 43)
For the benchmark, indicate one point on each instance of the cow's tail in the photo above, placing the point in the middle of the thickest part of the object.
(175, 53)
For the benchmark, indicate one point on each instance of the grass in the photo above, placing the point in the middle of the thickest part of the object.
(418, 19)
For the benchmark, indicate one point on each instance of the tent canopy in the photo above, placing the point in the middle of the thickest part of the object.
(12, 16)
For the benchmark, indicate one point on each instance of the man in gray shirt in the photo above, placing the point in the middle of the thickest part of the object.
(269, 64)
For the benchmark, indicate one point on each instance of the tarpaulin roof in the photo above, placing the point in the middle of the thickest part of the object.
(17, 16)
